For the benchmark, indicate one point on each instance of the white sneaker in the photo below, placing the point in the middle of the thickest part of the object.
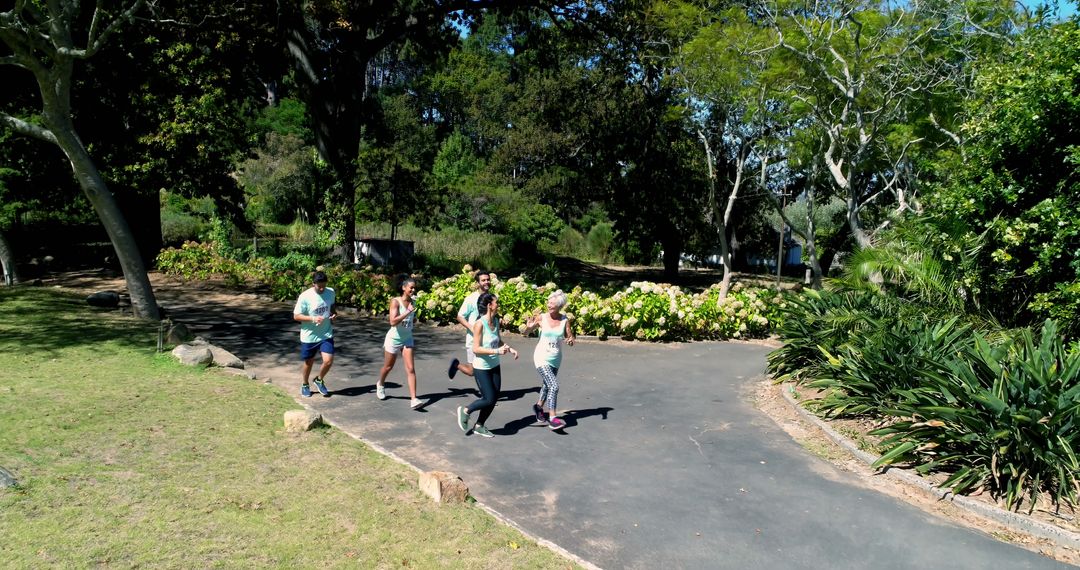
(416, 403)
(380, 392)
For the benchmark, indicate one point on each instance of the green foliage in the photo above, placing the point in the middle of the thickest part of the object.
(599, 241)
(1019, 182)
(281, 181)
(443, 252)
(870, 374)
(288, 118)
(571, 244)
(535, 223)
(817, 323)
(394, 160)
(455, 161)
(992, 408)
(286, 276)
(1001, 416)
(178, 227)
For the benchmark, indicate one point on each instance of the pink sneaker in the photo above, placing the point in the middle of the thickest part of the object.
(556, 423)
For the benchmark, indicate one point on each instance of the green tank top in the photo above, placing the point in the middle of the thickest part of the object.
(549, 347)
(402, 332)
(490, 339)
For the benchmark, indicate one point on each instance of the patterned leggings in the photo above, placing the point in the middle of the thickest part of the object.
(549, 392)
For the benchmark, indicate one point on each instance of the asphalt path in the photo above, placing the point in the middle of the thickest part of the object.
(664, 462)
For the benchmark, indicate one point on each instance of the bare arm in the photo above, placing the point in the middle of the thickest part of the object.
(569, 332)
(478, 334)
(531, 324)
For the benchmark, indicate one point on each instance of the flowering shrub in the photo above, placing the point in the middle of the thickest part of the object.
(643, 311)
(286, 277)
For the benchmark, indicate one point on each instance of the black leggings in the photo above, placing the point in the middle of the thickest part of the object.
(490, 383)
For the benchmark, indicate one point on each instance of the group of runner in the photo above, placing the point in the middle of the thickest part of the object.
(315, 310)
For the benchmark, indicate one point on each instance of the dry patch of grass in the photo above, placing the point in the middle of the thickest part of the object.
(125, 458)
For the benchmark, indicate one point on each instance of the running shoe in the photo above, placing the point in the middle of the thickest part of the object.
(539, 412)
(322, 388)
(380, 392)
(556, 423)
(463, 419)
(482, 431)
(453, 368)
(416, 403)
(305, 390)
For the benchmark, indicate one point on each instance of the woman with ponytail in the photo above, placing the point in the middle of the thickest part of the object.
(488, 346)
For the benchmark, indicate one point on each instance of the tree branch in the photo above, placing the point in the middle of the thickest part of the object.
(29, 129)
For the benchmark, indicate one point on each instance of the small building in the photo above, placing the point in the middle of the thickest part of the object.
(394, 253)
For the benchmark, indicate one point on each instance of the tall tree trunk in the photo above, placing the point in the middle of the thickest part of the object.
(42, 43)
(672, 243)
(334, 85)
(7, 260)
(143, 301)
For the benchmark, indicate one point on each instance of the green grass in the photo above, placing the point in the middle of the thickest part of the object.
(126, 458)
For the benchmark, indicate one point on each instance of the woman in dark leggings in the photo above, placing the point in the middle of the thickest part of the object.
(487, 345)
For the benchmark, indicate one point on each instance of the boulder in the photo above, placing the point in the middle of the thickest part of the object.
(109, 299)
(443, 487)
(224, 358)
(299, 421)
(7, 479)
(193, 355)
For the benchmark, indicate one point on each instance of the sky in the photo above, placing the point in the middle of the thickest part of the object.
(1066, 8)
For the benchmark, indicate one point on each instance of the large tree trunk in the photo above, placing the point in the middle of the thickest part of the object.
(672, 243)
(334, 85)
(143, 301)
(7, 260)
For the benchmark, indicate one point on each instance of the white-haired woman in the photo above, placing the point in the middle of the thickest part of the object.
(555, 329)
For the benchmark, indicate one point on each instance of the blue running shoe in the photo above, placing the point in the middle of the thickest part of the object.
(305, 391)
(322, 388)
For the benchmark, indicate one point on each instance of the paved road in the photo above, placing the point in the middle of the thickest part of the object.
(664, 463)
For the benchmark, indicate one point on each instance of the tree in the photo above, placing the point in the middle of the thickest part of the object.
(333, 46)
(720, 64)
(1017, 183)
(42, 41)
(861, 66)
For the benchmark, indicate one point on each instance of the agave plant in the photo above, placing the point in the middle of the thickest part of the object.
(1004, 417)
(875, 373)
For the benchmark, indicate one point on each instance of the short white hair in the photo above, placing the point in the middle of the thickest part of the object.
(559, 297)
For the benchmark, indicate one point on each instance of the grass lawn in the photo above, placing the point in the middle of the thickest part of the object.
(126, 458)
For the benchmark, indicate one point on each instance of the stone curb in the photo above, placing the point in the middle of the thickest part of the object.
(1014, 521)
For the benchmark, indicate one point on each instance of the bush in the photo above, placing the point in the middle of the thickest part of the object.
(178, 227)
(643, 311)
(286, 276)
(599, 241)
(999, 416)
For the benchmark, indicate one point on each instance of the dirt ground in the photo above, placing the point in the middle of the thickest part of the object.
(768, 398)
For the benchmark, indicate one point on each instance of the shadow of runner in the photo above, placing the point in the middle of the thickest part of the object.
(511, 395)
(571, 418)
(516, 425)
(450, 393)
